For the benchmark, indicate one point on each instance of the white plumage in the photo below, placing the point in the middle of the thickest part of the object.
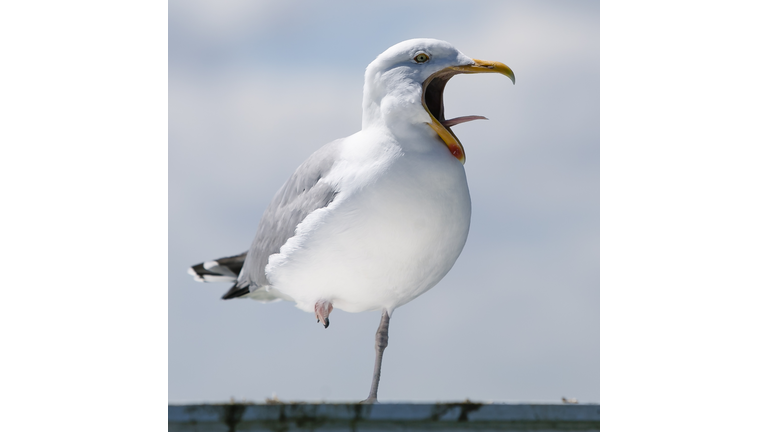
(396, 227)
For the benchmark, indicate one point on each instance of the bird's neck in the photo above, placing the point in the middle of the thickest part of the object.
(392, 102)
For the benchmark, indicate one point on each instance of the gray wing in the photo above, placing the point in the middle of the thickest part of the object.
(299, 196)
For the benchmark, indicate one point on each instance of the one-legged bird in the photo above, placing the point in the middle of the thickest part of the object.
(373, 220)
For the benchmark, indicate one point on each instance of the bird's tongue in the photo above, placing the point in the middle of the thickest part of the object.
(460, 120)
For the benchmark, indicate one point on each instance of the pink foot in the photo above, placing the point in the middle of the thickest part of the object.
(322, 310)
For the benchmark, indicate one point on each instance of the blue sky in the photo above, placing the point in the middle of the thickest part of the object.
(255, 87)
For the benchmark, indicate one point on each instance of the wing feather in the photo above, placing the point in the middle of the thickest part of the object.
(302, 194)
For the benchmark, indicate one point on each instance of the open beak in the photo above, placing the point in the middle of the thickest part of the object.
(432, 100)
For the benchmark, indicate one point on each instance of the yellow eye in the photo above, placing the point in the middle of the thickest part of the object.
(421, 58)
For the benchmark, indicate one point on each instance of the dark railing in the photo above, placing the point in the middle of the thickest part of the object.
(385, 417)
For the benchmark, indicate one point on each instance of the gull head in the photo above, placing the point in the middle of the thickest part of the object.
(405, 84)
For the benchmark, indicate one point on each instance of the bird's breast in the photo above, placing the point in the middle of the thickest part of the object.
(386, 239)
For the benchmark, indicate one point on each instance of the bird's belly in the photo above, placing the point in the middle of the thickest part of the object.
(379, 248)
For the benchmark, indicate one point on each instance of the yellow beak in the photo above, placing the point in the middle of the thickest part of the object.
(482, 66)
(479, 66)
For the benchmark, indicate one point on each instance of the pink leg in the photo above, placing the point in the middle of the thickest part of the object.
(322, 310)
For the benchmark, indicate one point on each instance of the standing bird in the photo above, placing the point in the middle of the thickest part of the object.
(373, 220)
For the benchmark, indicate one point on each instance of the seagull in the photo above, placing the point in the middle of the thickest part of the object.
(373, 220)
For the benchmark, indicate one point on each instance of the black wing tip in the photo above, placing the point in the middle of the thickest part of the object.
(201, 270)
(235, 292)
(222, 269)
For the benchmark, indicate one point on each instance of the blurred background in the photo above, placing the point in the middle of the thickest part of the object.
(256, 86)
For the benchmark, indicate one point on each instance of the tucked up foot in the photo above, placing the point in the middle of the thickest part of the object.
(322, 310)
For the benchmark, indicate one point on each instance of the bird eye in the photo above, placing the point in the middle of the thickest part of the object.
(421, 58)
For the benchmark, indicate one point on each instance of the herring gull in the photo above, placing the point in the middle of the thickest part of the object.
(373, 220)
